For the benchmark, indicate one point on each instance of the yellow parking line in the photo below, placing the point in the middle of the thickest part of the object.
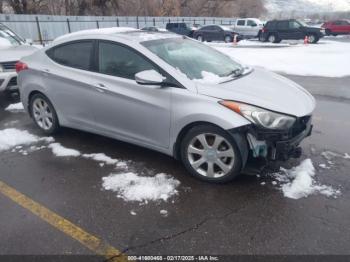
(86, 239)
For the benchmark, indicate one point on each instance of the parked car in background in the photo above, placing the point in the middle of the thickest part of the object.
(12, 49)
(168, 93)
(277, 30)
(181, 29)
(338, 27)
(248, 27)
(216, 33)
(153, 29)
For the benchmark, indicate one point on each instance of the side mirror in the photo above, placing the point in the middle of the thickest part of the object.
(150, 78)
(29, 41)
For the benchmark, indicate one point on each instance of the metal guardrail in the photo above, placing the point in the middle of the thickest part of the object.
(43, 29)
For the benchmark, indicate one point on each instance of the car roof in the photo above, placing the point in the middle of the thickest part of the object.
(225, 27)
(128, 34)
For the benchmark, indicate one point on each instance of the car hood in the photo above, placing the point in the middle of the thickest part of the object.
(264, 89)
(15, 53)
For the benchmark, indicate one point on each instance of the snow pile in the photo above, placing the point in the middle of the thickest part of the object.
(299, 182)
(210, 78)
(15, 107)
(131, 187)
(12, 137)
(4, 43)
(61, 151)
(329, 155)
(328, 58)
(100, 31)
(164, 213)
(100, 157)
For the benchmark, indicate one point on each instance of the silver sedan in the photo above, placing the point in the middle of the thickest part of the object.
(170, 94)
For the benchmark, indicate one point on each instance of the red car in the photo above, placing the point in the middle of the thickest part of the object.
(338, 27)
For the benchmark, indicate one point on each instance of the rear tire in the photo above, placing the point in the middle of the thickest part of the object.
(43, 114)
(211, 154)
(261, 37)
(273, 38)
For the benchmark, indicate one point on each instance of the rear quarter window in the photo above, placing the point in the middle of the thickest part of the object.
(75, 54)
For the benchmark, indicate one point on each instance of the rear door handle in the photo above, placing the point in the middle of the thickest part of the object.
(101, 87)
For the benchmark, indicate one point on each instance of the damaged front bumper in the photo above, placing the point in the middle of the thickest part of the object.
(279, 145)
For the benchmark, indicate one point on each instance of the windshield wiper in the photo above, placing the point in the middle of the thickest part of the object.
(236, 73)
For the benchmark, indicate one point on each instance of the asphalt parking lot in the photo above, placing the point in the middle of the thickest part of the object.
(242, 217)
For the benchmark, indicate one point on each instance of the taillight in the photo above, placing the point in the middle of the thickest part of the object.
(264, 30)
(20, 66)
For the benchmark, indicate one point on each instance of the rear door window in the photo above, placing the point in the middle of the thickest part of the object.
(76, 54)
(241, 22)
(283, 25)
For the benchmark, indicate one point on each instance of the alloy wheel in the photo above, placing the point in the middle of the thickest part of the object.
(42, 114)
(211, 155)
(311, 38)
(227, 39)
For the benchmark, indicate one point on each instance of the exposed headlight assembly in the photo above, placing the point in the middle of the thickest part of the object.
(261, 117)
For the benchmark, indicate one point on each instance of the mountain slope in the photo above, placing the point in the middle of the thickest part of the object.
(307, 6)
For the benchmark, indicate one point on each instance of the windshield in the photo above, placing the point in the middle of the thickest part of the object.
(8, 35)
(302, 23)
(194, 59)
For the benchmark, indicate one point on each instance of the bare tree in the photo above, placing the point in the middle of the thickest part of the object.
(224, 8)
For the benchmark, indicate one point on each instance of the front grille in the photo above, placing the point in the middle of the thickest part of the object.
(13, 81)
(9, 65)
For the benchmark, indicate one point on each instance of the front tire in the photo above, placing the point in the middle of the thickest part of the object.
(43, 114)
(211, 154)
(228, 39)
(313, 39)
(200, 38)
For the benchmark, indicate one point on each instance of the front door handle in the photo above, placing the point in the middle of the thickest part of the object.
(46, 72)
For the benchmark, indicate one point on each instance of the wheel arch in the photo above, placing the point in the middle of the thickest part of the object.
(30, 95)
(238, 134)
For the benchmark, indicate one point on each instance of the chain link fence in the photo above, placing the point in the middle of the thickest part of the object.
(43, 28)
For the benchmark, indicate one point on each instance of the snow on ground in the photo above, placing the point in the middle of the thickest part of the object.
(329, 155)
(100, 157)
(132, 187)
(12, 137)
(327, 58)
(299, 182)
(61, 151)
(15, 107)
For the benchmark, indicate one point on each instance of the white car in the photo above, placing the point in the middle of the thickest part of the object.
(248, 27)
(12, 49)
